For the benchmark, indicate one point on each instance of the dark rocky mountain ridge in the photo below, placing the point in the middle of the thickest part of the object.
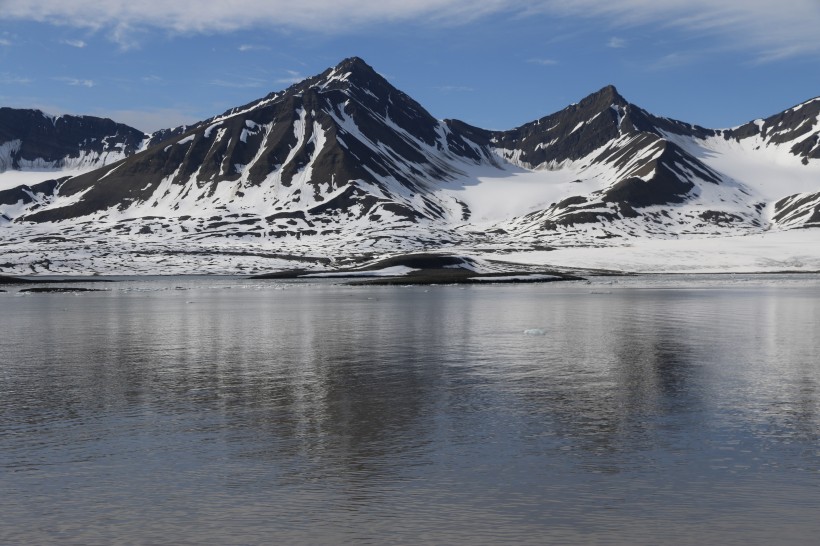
(347, 158)
(350, 95)
(32, 138)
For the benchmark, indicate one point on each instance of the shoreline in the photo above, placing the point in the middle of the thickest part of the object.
(14, 280)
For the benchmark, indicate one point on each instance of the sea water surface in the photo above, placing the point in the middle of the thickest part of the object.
(644, 410)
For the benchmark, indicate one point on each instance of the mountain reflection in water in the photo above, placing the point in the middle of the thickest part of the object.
(239, 412)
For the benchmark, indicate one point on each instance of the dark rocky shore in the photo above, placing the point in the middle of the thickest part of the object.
(58, 289)
(45, 285)
(5, 279)
(430, 269)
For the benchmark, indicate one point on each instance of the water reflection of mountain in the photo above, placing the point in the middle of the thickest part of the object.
(367, 383)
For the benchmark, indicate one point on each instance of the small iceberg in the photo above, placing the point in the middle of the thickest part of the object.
(534, 332)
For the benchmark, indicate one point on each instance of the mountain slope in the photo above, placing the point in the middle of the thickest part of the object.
(343, 146)
(38, 152)
(344, 164)
(628, 175)
(30, 139)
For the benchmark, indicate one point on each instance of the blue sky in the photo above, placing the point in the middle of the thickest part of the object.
(495, 64)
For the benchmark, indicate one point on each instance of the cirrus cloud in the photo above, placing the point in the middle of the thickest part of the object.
(616, 43)
(76, 82)
(769, 30)
(292, 77)
(190, 16)
(13, 79)
(543, 62)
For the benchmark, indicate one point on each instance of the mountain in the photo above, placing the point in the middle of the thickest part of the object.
(37, 150)
(345, 164)
(342, 147)
(30, 139)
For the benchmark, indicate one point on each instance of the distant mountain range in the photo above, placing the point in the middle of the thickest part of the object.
(345, 164)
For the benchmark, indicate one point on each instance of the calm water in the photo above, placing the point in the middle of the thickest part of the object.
(679, 410)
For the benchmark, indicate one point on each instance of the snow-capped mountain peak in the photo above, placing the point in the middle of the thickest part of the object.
(345, 160)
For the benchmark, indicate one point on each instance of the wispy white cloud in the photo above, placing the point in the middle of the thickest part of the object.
(193, 16)
(616, 43)
(765, 29)
(543, 62)
(778, 54)
(292, 77)
(74, 43)
(12, 79)
(77, 82)
(674, 60)
(769, 30)
(5, 42)
(251, 47)
(125, 35)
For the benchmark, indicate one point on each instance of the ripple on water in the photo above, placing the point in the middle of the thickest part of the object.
(317, 415)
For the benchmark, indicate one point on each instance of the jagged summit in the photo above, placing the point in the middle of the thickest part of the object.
(798, 127)
(569, 134)
(609, 90)
(357, 67)
(604, 97)
(351, 71)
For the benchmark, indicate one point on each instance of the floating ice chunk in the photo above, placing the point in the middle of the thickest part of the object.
(534, 332)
